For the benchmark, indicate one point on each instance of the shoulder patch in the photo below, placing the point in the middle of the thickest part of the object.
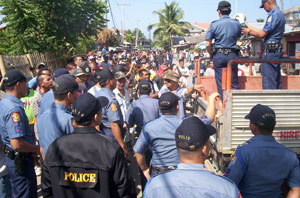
(269, 19)
(114, 107)
(16, 117)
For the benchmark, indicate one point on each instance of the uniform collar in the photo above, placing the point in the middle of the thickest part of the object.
(144, 96)
(169, 116)
(85, 129)
(224, 16)
(266, 138)
(107, 91)
(184, 166)
(59, 106)
(14, 99)
(273, 10)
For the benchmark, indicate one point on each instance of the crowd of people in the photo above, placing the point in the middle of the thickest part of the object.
(78, 126)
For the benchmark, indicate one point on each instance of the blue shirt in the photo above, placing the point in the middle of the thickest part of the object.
(13, 120)
(52, 124)
(225, 31)
(180, 92)
(46, 102)
(111, 112)
(190, 181)
(32, 84)
(261, 166)
(141, 111)
(275, 25)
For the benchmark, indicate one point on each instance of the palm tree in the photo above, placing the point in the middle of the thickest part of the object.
(169, 24)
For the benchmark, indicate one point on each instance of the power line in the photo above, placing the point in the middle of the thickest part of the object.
(112, 16)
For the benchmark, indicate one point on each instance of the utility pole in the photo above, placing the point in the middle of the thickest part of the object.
(236, 7)
(123, 20)
(137, 34)
(281, 6)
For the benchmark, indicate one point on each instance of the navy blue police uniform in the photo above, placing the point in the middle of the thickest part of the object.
(14, 124)
(86, 163)
(275, 25)
(225, 31)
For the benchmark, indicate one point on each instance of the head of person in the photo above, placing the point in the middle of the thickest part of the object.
(86, 70)
(211, 64)
(65, 89)
(144, 74)
(78, 60)
(39, 66)
(268, 5)
(171, 79)
(168, 103)
(144, 87)
(262, 120)
(107, 79)
(71, 66)
(60, 71)
(87, 110)
(224, 8)
(93, 65)
(44, 80)
(192, 140)
(181, 63)
(15, 83)
(121, 80)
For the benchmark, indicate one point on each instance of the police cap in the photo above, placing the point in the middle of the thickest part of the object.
(262, 3)
(12, 77)
(144, 85)
(64, 84)
(60, 71)
(263, 116)
(86, 106)
(105, 75)
(192, 134)
(168, 101)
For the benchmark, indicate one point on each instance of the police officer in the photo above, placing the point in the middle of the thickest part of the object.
(17, 137)
(86, 163)
(225, 32)
(112, 118)
(191, 179)
(144, 109)
(262, 165)
(272, 33)
(159, 135)
(171, 80)
(57, 121)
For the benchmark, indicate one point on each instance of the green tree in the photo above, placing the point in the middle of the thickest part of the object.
(260, 20)
(37, 26)
(169, 24)
(129, 37)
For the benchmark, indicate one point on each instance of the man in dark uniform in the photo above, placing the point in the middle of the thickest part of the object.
(272, 33)
(112, 118)
(86, 163)
(225, 31)
(17, 137)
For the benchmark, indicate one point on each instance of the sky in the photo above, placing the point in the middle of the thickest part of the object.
(139, 13)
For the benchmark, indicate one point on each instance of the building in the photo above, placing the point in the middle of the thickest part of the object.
(292, 15)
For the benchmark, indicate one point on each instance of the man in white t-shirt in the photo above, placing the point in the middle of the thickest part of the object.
(97, 87)
(183, 73)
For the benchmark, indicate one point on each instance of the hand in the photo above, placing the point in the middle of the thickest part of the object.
(198, 87)
(245, 30)
(125, 126)
(125, 151)
(214, 96)
(147, 174)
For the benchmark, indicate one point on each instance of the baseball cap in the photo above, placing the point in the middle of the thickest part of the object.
(12, 77)
(86, 106)
(224, 5)
(86, 69)
(263, 116)
(105, 75)
(192, 134)
(263, 3)
(144, 85)
(60, 71)
(64, 84)
(171, 75)
(39, 65)
(78, 72)
(119, 75)
(168, 101)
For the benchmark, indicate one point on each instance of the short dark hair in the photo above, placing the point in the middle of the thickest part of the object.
(225, 11)
(145, 91)
(84, 123)
(9, 87)
(102, 83)
(263, 130)
(40, 74)
(70, 65)
(169, 110)
(60, 97)
(181, 60)
(141, 72)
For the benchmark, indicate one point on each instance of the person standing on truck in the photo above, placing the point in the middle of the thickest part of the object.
(272, 33)
(225, 31)
(262, 165)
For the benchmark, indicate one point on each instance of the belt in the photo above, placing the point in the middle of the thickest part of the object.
(162, 170)
(226, 51)
(273, 47)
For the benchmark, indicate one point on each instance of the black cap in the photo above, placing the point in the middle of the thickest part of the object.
(105, 75)
(39, 65)
(86, 69)
(86, 106)
(64, 84)
(263, 116)
(192, 134)
(12, 77)
(224, 5)
(60, 71)
(168, 101)
(263, 3)
(144, 85)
